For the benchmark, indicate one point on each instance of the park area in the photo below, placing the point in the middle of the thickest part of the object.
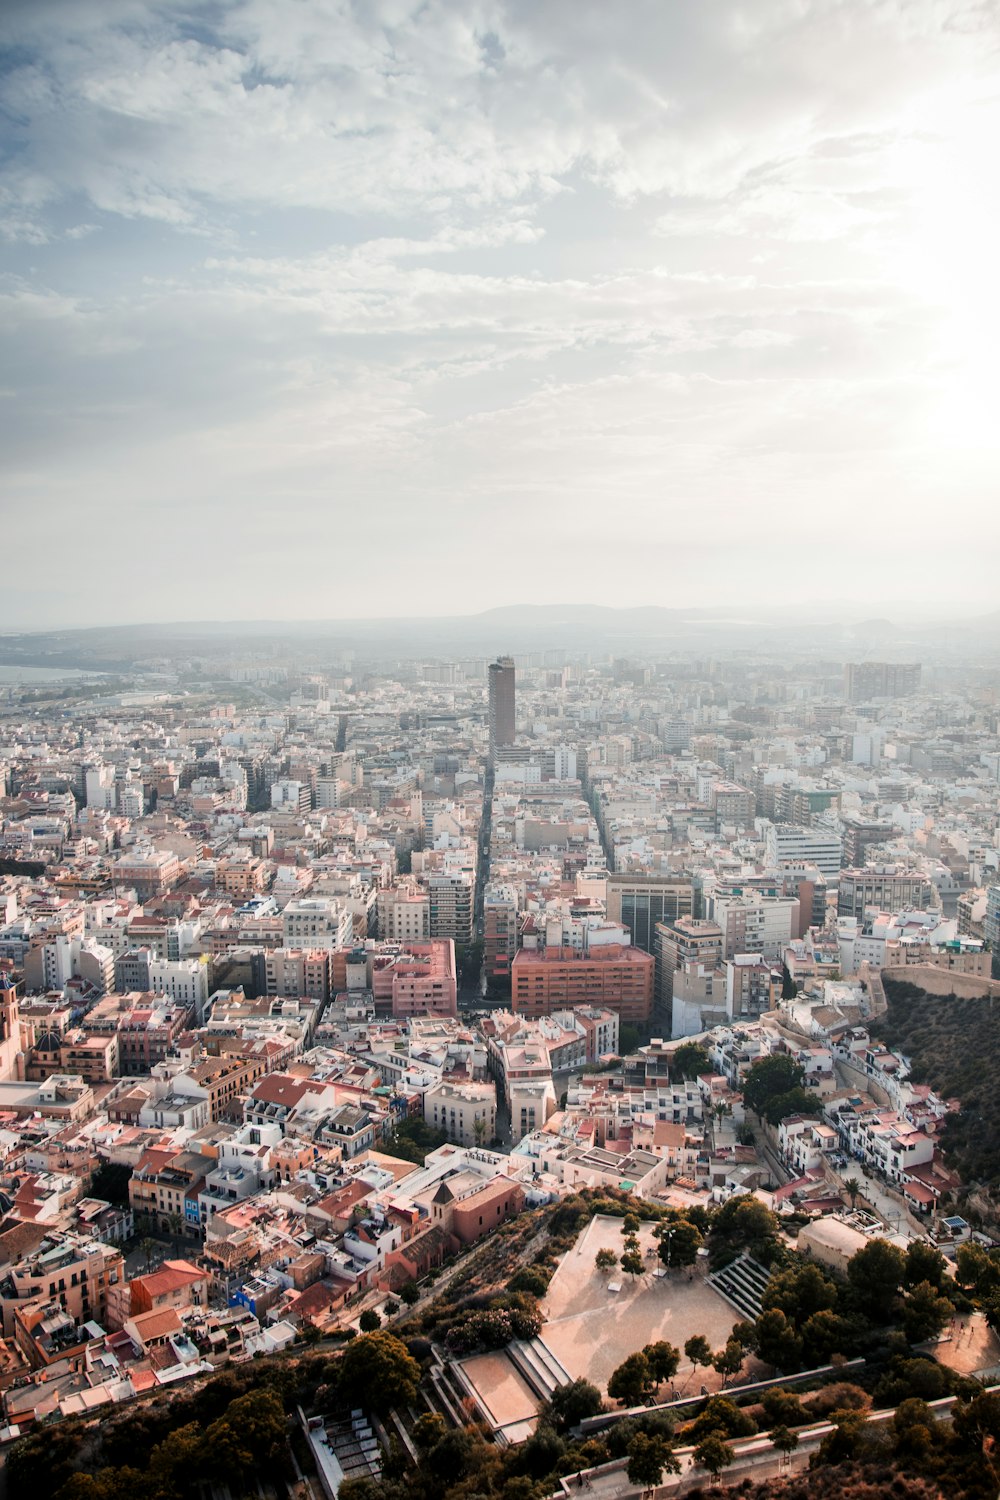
(591, 1329)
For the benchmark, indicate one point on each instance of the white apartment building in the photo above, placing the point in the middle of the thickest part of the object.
(185, 981)
(752, 923)
(452, 900)
(788, 844)
(316, 922)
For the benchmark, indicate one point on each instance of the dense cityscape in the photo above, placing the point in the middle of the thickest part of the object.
(547, 1022)
(499, 750)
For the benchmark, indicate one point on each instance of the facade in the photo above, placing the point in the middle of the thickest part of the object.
(499, 929)
(640, 901)
(298, 972)
(887, 887)
(991, 926)
(466, 1112)
(404, 914)
(755, 923)
(616, 978)
(419, 980)
(502, 704)
(880, 679)
(316, 922)
(688, 940)
(451, 905)
(786, 844)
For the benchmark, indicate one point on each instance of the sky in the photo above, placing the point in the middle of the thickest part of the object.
(316, 309)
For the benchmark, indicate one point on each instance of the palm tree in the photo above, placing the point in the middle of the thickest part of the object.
(147, 1246)
(853, 1187)
(479, 1129)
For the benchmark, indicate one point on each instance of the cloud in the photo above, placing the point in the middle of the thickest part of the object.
(680, 276)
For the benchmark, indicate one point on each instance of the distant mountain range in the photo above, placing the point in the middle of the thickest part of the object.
(837, 629)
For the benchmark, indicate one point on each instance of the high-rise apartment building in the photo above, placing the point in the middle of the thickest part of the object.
(640, 901)
(502, 704)
(787, 844)
(685, 941)
(880, 679)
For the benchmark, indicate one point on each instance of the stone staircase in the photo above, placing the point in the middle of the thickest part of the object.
(743, 1284)
(538, 1366)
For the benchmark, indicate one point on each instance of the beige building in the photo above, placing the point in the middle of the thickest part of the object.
(466, 1112)
(404, 914)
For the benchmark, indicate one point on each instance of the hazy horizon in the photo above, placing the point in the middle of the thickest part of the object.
(411, 310)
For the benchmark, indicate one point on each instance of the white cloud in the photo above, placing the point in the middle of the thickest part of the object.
(725, 270)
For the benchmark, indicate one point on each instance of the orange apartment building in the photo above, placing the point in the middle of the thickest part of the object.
(617, 977)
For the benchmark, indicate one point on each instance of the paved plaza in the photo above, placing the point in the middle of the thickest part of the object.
(506, 1396)
(590, 1330)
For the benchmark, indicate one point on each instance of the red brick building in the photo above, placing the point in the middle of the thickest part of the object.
(617, 977)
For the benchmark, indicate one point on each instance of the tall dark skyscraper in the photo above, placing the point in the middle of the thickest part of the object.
(502, 704)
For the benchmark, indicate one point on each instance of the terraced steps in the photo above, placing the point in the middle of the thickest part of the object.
(538, 1366)
(743, 1284)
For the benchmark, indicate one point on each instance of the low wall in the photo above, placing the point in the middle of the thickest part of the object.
(943, 982)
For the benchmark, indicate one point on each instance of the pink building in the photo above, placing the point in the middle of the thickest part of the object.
(418, 980)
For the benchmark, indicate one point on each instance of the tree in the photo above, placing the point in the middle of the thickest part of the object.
(680, 1243)
(413, 1139)
(147, 1245)
(630, 1225)
(409, 1293)
(792, 1102)
(721, 1414)
(605, 1260)
(782, 1408)
(428, 1430)
(178, 1460)
(778, 1344)
(925, 1313)
(744, 1223)
(699, 1351)
(924, 1263)
(530, 1279)
(648, 1457)
(784, 1440)
(628, 1038)
(369, 1320)
(379, 1372)
(250, 1436)
(631, 1262)
(690, 1061)
(875, 1274)
(745, 1334)
(110, 1181)
(632, 1382)
(825, 1334)
(800, 1291)
(853, 1187)
(770, 1077)
(714, 1454)
(977, 1268)
(729, 1360)
(663, 1360)
(572, 1403)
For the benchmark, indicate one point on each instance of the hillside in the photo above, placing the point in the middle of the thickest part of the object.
(954, 1045)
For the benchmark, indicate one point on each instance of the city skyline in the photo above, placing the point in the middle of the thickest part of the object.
(691, 311)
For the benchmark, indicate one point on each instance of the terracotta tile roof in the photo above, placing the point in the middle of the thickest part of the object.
(156, 1325)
